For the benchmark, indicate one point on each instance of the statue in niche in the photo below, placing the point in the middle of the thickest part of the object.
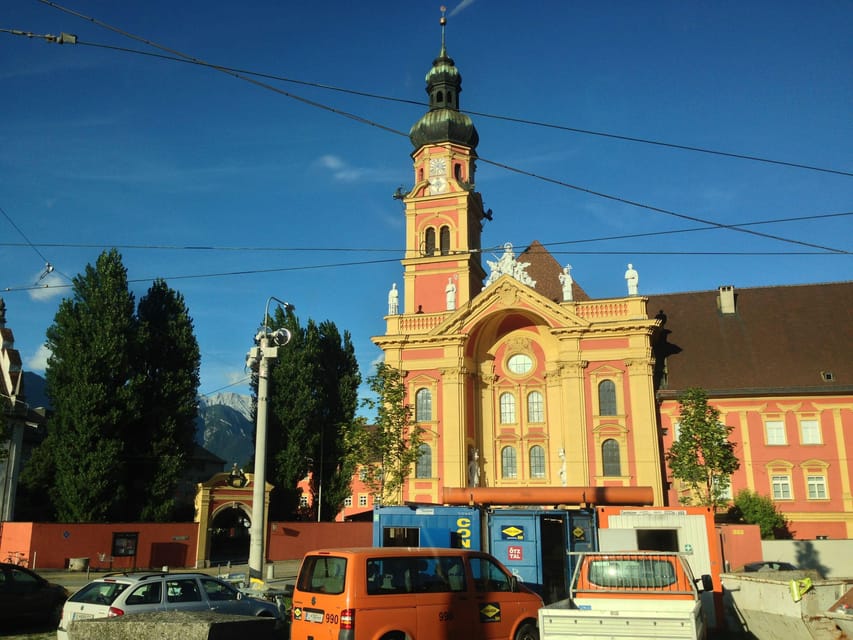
(393, 300)
(566, 280)
(473, 467)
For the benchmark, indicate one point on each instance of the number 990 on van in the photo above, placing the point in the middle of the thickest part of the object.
(396, 593)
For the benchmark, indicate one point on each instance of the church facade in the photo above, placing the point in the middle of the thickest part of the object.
(520, 380)
(517, 378)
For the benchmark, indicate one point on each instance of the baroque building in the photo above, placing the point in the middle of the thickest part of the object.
(517, 378)
(521, 380)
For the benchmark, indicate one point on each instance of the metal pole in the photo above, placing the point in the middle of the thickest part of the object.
(256, 542)
(262, 355)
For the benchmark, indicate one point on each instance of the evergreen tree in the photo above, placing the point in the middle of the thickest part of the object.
(123, 388)
(702, 456)
(313, 389)
(88, 373)
(385, 451)
(167, 378)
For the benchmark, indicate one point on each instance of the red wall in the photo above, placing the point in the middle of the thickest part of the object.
(51, 545)
(741, 543)
(290, 540)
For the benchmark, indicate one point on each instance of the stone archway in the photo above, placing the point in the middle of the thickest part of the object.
(223, 504)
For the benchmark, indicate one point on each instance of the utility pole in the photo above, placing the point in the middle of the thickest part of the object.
(259, 357)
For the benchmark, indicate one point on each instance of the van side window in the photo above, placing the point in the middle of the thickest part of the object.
(414, 575)
(488, 576)
(322, 574)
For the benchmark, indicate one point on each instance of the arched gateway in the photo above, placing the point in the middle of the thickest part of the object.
(223, 508)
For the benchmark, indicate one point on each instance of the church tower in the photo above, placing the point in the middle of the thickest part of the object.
(442, 267)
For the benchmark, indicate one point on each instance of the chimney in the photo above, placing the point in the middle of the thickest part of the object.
(726, 300)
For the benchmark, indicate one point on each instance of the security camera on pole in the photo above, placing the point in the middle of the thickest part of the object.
(259, 358)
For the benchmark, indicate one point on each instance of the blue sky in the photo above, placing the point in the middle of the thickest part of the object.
(233, 192)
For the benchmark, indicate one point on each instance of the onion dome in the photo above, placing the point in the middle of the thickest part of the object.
(444, 122)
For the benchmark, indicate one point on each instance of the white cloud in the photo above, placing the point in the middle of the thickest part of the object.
(38, 362)
(461, 7)
(376, 362)
(49, 287)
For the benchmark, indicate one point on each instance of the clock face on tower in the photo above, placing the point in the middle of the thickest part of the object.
(438, 167)
(437, 176)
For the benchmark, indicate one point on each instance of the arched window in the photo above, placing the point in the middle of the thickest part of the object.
(429, 241)
(439, 97)
(423, 405)
(607, 398)
(507, 408)
(611, 465)
(537, 462)
(535, 407)
(509, 465)
(444, 240)
(423, 467)
(457, 171)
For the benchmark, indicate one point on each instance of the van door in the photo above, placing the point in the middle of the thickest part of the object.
(443, 600)
(498, 608)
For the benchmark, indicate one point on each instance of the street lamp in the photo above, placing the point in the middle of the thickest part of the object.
(260, 357)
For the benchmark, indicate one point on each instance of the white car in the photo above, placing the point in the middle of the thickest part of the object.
(121, 594)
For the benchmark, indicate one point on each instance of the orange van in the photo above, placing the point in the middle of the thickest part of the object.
(409, 593)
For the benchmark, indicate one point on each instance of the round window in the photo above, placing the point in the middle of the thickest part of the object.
(519, 364)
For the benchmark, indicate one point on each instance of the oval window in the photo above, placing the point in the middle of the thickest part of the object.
(519, 364)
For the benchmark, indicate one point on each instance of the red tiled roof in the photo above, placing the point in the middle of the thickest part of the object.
(781, 339)
(545, 270)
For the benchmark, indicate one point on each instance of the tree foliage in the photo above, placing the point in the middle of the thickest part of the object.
(313, 396)
(702, 456)
(385, 451)
(123, 391)
(167, 378)
(753, 508)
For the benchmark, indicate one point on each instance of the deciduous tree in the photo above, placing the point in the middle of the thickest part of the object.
(702, 456)
(753, 508)
(384, 452)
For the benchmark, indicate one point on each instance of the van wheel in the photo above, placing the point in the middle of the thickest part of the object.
(527, 631)
(394, 636)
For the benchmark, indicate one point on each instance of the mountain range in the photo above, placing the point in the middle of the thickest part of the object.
(224, 425)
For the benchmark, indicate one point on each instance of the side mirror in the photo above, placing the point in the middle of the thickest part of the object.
(239, 595)
(707, 582)
(513, 583)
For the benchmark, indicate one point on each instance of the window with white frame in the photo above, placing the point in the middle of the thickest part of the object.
(607, 398)
(303, 500)
(775, 432)
(535, 407)
(611, 460)
(726, 492)
(507, 401)
(509, 463)
(537, 462)
(676, 430)
(348, 501)
(362, 500)
(781, 486)
(423, 405)
(816, 485)
(423, 466)
(810, 432)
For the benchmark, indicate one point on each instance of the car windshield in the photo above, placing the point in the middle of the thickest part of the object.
(103, 593)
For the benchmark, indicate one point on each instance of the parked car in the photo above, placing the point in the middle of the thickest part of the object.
(769, 565)
(26, 595)
(119, 594)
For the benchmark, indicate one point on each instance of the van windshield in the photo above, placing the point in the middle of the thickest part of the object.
(323, 574)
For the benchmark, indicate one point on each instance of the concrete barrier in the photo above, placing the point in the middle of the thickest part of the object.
(177, 625)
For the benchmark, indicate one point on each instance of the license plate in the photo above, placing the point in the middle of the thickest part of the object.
(312, 615)
(82, 616)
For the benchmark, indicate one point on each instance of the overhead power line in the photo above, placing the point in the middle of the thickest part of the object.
(65, 38)
(400, 133)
